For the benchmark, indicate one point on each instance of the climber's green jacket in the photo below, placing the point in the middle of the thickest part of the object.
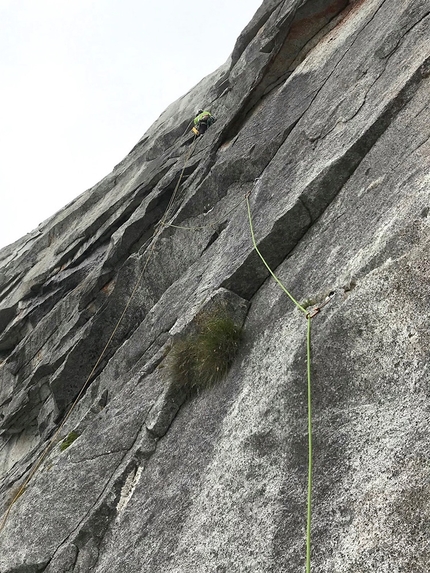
(202, 116)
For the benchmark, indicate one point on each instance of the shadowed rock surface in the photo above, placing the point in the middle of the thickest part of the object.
(323, 117)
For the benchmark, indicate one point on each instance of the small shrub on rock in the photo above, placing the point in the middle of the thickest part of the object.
(200, 360)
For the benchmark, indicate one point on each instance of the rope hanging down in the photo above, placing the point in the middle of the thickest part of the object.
(157, 231)
(309, 317)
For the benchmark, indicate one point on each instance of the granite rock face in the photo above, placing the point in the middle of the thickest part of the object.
(323, 118)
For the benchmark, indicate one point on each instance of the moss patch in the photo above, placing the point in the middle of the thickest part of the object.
(68, 440)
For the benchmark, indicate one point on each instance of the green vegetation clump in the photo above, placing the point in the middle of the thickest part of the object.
(199, 361)
(68, 440)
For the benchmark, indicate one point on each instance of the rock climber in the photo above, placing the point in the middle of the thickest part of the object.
(202, 121)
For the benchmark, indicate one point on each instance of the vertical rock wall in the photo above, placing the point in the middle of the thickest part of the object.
(323, 119)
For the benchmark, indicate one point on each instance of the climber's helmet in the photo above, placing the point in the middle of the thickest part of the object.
(199, 111)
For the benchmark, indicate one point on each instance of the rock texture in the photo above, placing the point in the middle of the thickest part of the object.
(323, 118)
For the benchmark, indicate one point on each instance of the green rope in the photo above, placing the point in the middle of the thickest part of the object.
(266, 265)
(308, 528)
(308, 362)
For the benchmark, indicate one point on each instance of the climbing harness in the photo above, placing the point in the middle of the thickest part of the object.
(157, 231)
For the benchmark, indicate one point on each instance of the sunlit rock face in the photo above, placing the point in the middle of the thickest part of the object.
(323, 120)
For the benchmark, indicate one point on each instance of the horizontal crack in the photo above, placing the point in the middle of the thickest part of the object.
(92, 458)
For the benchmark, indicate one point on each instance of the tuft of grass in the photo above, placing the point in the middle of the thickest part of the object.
(199, 361)
(68, 440)
(183, 362)
(218, 343)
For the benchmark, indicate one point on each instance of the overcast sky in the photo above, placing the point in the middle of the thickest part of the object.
(82, 80)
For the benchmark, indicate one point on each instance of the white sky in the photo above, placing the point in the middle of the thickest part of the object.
(82, 80)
